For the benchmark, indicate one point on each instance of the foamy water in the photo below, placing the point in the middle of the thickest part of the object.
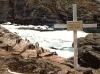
(61, 41)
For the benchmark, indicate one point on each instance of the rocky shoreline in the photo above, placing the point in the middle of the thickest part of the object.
(23, 57)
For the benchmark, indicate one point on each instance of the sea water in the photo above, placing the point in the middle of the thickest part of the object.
(55, 41)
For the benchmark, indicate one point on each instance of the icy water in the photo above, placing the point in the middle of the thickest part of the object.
(55, 41)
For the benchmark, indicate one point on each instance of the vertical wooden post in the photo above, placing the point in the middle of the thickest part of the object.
(75, 38)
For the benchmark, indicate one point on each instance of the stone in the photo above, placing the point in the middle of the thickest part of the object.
(88, 72)
(90, 39)
(29, 54)
(89, 53)
(30, 46)
(96, 35)
(97, 41)
(47, 54)
(96, 71)
(96, 48)
(81, 41)
(4, 53)
(20, 47)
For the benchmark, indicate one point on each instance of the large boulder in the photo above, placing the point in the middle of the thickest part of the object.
(89, 52)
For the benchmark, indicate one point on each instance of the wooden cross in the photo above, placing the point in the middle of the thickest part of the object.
(75, 37)
(75, 25)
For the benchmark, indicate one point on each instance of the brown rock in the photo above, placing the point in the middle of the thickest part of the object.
(29, 54)
(96, 71)
(90, 39)
(97, 41)
(4, 53)
(47, 54)
(20, 47)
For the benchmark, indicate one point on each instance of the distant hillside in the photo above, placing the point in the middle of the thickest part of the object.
(88, 10)
(3, 10)
(52, 11)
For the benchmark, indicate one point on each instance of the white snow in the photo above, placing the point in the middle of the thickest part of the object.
(60, 40)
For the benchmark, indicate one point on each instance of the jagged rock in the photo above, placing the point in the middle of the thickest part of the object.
(88, 72)
(96, 35)
(30, 46)
(29, 54)
(47, 54)
(97, 41)
(96, 48)
(20, 47)
(81, 41)
(90, 39)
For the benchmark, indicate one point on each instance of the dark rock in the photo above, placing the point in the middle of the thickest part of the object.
(30, 46)
(47, 12)
(90, 39)
(4, 10)
(88, 72)
(96, 48)
(33, 66)
(97, 41)
(89, 53)
(87, 60)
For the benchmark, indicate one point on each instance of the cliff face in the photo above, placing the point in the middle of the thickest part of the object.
(3, 10)
(18, 11)
(49, 11)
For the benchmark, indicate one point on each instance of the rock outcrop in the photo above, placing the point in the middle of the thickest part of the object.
(21, 56)
(89, 51)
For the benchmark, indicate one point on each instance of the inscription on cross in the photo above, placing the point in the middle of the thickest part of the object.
(74, 25)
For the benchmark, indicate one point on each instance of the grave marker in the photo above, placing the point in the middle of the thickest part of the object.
(75, 26)
(75, 38)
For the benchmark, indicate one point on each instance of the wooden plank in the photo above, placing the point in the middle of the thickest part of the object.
(89, 25)
(75, 38)
(84, 26)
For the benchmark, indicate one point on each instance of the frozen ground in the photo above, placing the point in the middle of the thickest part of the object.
(58, 41)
